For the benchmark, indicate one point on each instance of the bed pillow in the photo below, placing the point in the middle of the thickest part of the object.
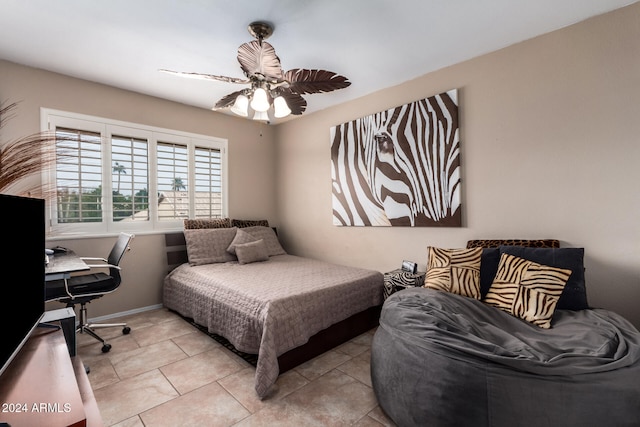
(527, 290)
(243, 223)
(496, 243)
(454, 270)
(208, 246)
(240, 238)
(195, 224)
(252, 252)
(574, 295)
(270, 239)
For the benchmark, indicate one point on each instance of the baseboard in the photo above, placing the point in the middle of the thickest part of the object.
(125, 313)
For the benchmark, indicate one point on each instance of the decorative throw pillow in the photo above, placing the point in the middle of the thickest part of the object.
(241, 238)
(208, 246)
(270, 239)
(491, 256)
(527, 290)
(488, 268)
(195, 224)
(574, 295)
(252, 252)
(454, 270)
(242, 223)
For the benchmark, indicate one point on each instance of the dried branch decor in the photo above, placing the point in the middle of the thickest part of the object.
(24, 157)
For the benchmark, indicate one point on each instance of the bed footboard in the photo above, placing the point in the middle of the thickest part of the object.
(331, 337)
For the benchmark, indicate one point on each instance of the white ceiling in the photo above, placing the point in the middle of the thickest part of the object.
(375, 43)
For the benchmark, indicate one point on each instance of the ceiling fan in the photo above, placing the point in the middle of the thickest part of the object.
(270, 85)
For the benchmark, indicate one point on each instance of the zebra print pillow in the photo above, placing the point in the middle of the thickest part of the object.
(454, 270)
(527, 290)
(574, 295)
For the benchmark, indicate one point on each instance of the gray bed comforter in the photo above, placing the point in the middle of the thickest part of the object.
(268, 308)
(440, 359)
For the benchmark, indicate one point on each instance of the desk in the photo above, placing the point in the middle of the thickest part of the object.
(45, 387)
(67, 319)
(60, 267)
(62, 264)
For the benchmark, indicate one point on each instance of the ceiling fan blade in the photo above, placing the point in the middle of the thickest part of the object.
(227, 100)
(296, 103)
(314, 81)
(259, 57)
(206, 77)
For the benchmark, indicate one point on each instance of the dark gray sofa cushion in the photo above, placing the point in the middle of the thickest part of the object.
(440, 359)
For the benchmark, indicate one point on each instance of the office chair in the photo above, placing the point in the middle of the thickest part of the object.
(87, 287)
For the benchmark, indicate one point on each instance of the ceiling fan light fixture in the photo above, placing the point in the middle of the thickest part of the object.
(241, 106)
(260, 102)
(280, 107)
(261, 116)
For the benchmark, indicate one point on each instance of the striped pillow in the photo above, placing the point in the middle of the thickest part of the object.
(454, 270)
(527, 290)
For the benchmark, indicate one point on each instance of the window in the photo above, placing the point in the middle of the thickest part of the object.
(207, 182)
(112, 176)
(130, 178)
(173, 172)
(78, 176)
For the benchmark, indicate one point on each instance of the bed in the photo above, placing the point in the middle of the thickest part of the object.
(240, 283)
(440, 358)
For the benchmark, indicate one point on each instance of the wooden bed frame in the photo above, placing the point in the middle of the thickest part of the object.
(319, 343)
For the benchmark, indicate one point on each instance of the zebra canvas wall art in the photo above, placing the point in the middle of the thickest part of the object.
(399, 167)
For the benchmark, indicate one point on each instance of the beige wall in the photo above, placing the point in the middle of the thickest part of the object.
(251, 157)
(550, 136)
(549, 132)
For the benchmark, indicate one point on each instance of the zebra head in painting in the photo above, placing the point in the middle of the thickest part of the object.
(399, 167)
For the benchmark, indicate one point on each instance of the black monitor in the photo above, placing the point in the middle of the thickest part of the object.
(21, 272)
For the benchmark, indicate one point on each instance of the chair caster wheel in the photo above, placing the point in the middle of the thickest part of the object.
(126, 330)
(106, 348)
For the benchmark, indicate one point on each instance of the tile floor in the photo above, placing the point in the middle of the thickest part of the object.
(168, 373)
